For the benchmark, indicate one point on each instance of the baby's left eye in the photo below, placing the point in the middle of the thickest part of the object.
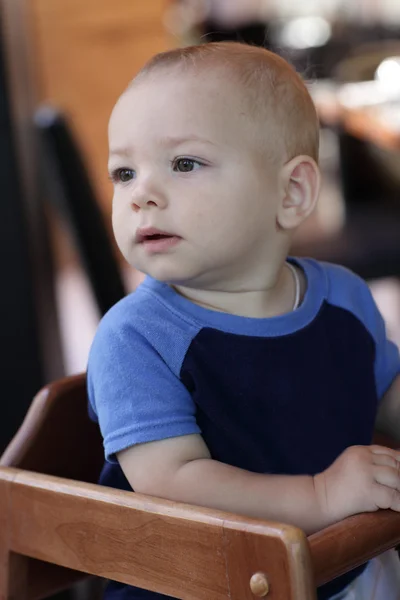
(185, 165)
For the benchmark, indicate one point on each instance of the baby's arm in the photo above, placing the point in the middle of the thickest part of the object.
(362, 479)
(388, 419)
(181, 469)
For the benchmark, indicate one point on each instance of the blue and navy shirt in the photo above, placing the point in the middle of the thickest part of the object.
(281, 395)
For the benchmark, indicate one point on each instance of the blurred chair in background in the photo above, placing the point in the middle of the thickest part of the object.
(70, 190)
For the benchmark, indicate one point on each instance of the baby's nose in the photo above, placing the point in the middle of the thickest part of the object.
(140, 203)
(148, 195)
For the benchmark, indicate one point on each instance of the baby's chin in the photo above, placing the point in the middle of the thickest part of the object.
(176, 275)
(164, 271)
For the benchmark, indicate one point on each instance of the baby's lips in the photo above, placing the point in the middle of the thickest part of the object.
(145, 232)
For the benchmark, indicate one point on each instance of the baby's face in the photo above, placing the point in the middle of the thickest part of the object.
(194, 199)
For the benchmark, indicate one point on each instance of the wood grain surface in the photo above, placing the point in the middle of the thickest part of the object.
(187, 552)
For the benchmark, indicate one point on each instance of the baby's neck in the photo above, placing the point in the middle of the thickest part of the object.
(276, 298)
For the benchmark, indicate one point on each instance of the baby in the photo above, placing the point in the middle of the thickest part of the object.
(235, 377)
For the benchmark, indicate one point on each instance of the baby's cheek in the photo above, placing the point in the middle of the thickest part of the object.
(118, 229)
(123, 233)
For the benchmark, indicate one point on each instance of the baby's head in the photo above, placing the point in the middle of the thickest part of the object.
(215, 146)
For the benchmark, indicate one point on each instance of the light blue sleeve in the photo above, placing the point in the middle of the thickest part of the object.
(133, 392)
(353, 294)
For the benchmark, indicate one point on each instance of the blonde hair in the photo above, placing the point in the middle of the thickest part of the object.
(275, 93)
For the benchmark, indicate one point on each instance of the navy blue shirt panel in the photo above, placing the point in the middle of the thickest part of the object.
(243, 389)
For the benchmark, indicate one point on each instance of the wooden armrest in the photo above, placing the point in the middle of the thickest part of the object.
(179, 550)
(352, 542)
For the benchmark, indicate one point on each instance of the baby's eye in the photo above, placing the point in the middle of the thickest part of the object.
(185, 165)
(122, 175)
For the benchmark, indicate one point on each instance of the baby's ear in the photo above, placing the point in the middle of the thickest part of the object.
(299, 189)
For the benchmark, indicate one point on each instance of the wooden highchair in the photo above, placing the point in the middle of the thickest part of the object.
(57, 526)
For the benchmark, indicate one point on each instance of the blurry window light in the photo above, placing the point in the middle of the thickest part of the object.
(388, 74)
(305, 32)
(385, 87)
(361, 93)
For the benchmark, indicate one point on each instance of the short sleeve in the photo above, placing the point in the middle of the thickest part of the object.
(134, 394)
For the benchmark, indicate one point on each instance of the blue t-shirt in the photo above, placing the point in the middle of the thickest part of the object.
(281, 395)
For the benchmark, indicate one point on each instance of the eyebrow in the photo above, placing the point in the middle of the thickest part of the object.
(176, 141)
(167, 142)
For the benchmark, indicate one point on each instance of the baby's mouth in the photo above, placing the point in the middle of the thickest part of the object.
(148, 234)
(155, 241)
(157, 236)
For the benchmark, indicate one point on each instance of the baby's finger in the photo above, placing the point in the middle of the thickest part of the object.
(387, 460)
(386, 497)
(383, 450)
(387, 476)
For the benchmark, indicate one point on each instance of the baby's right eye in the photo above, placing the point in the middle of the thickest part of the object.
(122, 175)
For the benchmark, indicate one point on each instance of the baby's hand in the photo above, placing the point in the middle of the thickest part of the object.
(362, 479)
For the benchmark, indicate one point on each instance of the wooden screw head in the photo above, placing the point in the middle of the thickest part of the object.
(259, 585)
